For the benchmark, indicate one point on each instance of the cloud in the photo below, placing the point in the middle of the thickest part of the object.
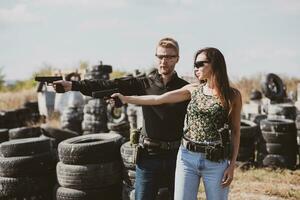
(18, 14)
(263, 58)
(102, 24)
(100, 4)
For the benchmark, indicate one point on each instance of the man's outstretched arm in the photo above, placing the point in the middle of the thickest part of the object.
(126, 85)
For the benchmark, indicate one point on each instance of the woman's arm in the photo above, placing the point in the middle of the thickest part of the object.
(235, 123)
(174, 96)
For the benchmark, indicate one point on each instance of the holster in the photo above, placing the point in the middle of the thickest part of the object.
(215, 153)
(139, 150)
(222, 151)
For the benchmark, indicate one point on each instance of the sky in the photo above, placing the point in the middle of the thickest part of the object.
(254, 36)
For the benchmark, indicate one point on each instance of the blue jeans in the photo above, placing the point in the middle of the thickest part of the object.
(153, 173)
(191, 166)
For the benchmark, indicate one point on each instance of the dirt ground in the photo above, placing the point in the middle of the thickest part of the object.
(263, 184)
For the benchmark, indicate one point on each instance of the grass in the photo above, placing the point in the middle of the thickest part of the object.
(13, 100)
(264, 184)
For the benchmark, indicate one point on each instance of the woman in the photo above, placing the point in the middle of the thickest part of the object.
(214, 107)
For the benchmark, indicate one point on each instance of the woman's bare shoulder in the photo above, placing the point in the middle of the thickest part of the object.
(191, 87)
(236, 96)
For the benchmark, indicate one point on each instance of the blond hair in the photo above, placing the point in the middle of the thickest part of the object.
(169, 43)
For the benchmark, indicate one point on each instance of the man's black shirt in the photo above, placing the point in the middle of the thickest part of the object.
(161, 122)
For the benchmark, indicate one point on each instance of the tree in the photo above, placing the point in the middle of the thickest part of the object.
(117, 74)
(2, 76)
(83, 65)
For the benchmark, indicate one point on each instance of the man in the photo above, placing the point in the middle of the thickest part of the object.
(162, 125)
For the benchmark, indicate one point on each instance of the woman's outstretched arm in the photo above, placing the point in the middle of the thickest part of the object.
(174, 96)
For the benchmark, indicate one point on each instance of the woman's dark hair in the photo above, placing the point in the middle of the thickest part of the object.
(219, 74)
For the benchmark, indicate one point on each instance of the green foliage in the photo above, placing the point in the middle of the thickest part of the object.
(22, 85)
(117, 74)
(46, 70)
(83, 65)
(30, 83)
(2, 76)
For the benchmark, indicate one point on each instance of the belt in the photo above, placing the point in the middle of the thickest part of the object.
(196, 147)
(158, 144)
(192, 146)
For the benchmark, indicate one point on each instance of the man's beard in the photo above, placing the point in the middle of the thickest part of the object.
(167, 71)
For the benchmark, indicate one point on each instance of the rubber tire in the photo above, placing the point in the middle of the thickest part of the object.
(120, 127)
(27, 166)
(91, 176)
(3, 135)
(24, 132)
(280, 149)
(114, 119)
(128, 152)
(248, 129)
(90, 149)
(246, 154)
(280, 94)
(279, 137)
(277, 125)
(129, 177)
(274, 160)
(288, 111)
(57, 133)
(109, 193)
(25, 147)
(24, 186)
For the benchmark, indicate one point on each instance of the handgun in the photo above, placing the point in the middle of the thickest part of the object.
(107, 94)
(50, 79)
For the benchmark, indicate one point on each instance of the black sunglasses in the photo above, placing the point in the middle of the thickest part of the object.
(165, 56)
(199, 64)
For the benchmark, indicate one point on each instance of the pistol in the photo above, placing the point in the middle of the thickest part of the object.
(105, 94)
(51, 79)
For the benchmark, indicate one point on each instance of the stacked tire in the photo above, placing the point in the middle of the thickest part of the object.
(280, 145)
(18, 117)
(117, 120)
(4, 135)
(298, 134)
(33, 110)
(128, 152)
(132, 116)
(15, 118)
(27, 169)
(98, 72)
(71, 118)
(95, 117)
(89, 167)
(249, 132)
(282, 111)
(24, 132)
(56, 135)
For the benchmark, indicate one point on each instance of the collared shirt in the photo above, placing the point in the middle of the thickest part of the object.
(161, 122)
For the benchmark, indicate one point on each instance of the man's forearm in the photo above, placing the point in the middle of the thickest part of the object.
(126, 86)
(87, 87)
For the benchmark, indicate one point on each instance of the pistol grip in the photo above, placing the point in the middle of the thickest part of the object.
(118, 102)
(59, 88)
